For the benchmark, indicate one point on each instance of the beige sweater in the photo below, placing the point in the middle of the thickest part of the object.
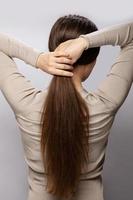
(27, 101)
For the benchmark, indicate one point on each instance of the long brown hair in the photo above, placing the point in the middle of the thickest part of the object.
(65, 117)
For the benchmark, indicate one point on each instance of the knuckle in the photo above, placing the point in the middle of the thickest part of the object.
(63, 72)
(63, 66)
(71, 62)
(63, 60)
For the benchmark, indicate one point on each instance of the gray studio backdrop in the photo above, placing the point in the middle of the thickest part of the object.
(31, 22)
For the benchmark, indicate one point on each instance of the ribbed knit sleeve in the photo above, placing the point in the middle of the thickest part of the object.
(16, 48)
(114, 88)
(119, 34)
(16, 88)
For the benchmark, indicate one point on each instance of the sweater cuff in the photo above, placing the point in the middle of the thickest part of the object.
(87, 39)
(33, 56)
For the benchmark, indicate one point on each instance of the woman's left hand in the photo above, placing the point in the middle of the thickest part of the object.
(54, 63)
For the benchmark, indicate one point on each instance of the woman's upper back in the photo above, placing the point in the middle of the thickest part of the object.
(101, 119)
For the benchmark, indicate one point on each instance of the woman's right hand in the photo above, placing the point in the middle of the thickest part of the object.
(61, 60)
(54, 64)
(73, 48)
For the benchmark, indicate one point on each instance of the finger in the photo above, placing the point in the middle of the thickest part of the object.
(64, 66)
(62, 73)
(63, 60)
(61, 53)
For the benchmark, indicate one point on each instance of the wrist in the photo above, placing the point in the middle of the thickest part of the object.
(85, 41)
(39, 60)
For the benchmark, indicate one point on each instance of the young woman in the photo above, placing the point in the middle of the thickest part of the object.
(65, 128)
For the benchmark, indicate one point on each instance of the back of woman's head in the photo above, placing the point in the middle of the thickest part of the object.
(65, 117)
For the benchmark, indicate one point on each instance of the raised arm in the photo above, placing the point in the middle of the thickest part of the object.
(41, 60)
(119, 34)
(16, 48)
(115, 87)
